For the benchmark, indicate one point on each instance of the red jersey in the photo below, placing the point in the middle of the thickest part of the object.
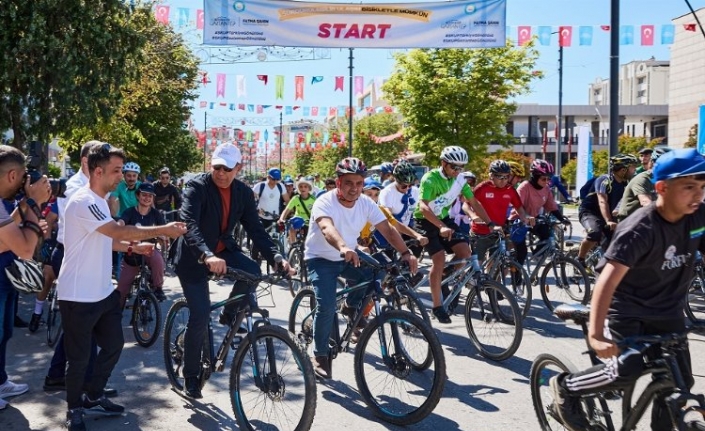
(496, 202)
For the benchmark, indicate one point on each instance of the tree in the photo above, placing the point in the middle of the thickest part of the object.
(367, 149)
(64, 63)
(692, 141)
(459, 96)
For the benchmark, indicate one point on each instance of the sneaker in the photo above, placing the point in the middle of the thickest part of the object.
(565, 408)
(34, 322)
(19, 323)
(9, 389)
(3, 404)
(441, 314)
(192, 388)
(160, 295)
(102, 406)
(322, 367)
(225, 318)
(57, 384)
(74, 420)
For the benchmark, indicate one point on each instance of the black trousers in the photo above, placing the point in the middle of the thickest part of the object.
(83, 321)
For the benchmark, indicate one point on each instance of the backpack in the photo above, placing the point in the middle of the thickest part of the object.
(585, 189)
(282, 205)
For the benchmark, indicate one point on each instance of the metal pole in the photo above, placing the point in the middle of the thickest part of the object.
(205, 143)
(350, 106)
(560, 112)
(614, 78)
(281, 132)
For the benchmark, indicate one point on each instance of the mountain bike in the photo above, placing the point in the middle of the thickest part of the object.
(296, 254)
(146, 317)
(53, 317)
(400, 369)
(271, 379)
(686, 409)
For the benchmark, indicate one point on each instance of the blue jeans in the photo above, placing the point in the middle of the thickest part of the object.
(7, 321)
(199, 307)
(323, 275)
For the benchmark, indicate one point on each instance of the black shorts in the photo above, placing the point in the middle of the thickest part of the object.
(435, 242)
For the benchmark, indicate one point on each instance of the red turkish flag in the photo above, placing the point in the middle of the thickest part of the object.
(161, 13)
(605, 27)
(565, 35)
(299, 87)
(199, 19)
(523, 34)
(339, 81)
(647, 35)
(689, 27)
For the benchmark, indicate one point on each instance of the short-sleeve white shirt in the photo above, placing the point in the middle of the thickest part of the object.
(391, 198)
(77, 181)
(269, 201)
(348, 221)
(87, 266)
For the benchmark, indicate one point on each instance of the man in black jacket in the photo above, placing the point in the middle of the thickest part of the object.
(213, 203)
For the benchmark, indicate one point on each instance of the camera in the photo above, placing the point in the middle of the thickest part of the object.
(34, 163)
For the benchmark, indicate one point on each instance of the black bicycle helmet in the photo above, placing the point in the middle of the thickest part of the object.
(351, 165)
(404, 172)
(499, 167)
(620, 160)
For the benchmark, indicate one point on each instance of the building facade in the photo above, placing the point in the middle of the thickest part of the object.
(644, 82)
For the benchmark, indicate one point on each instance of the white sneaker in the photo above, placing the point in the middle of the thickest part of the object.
(9, 389)
(3, 404)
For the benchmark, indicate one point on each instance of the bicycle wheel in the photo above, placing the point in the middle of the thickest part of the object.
(393, 389)
(544, 367)
(146, 318)
(296, 260)
(493, 320)
(301, 316)
(53, 318)
(295, 285)
(564, 281)
(406, 300)
(512, 275)
(279, 391)
(174, 330)
(695, 299)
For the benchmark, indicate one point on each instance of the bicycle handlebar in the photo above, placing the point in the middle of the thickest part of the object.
(370, 261)
(236, 274)
(642, 342)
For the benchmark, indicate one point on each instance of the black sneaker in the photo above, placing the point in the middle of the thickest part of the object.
(34, 322)
(102, 406)
(441, 314)
(225, 318)
(566, 408)
(19, 323)
(74, 420)
(159, 294)
(192, 388)
(58, 384)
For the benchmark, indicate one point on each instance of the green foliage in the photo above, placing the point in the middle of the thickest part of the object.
(64, 63)
(569, 171)
(692, 141)
(364, 146)
(54, 171)
(459, 96)
(481, 167)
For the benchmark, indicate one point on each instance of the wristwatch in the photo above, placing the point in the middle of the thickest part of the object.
(206, 255)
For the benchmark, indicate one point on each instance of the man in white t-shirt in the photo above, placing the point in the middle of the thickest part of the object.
(90, 306)
(339, 217)
(269, 195)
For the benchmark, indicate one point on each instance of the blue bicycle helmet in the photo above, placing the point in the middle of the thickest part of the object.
(386, 168)
(275, 174)
(297, 222)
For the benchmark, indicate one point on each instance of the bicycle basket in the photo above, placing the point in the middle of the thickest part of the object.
(518, 231)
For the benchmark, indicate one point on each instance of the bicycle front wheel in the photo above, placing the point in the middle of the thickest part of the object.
(513, 276)
(278, 391)
(544, 367)
(174, 331)
(146, 318)
(53, 319)
(392, 387)
(493, 320)
(405, 299)
(564, 281)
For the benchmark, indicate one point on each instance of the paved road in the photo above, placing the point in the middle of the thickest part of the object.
(479, 394)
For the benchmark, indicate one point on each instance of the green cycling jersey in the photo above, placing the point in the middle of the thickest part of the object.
(440, 192)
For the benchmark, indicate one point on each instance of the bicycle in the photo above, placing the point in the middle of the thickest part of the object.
(571, 284)
(53, 317)
(492, 316)
(666, 380)
(270, 377)
(400, 368)
(166, 243)
(296, 252)
(146, 317)
(695, 297)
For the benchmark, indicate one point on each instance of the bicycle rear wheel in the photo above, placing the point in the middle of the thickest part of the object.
(301, 316)
(695, 299)
(296, 260)
(279, 391)
(564, 281)
(406, 300)
(53, 318)
(146, 318)
(513, 276)
(544, 367)
(392, 387)
(493, 320)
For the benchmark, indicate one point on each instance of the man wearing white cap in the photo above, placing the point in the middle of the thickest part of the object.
(213, 203)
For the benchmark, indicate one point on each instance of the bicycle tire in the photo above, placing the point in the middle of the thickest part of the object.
(294, 375)
(406, 300)
(695, 299)
(301, 316)
(53, 319)
(146, 318)
(296, 260)
(498, 320)
(512, 275)
(573, 287)
(539, 378)
(410, 382)
(696, 425)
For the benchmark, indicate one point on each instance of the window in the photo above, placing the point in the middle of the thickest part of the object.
(640, 80)
(641, 93)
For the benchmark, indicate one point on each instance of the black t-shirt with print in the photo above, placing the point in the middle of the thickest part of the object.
(133, 217)
(660, 256)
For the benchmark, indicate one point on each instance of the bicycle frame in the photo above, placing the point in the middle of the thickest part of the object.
(548, 249)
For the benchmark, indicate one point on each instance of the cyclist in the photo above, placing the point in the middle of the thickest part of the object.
(536, 199)
(271, 198)
(457, 213)
(51, 216)
(125, 196)
(643, 280)
(597, 210)
(300, 205)
(213, 203)
(640, 190)
(439, 188)
(386, 173)
(142, 215)
(289, 185)
(517, 173)
(167, 196)
(495, 195)
(645, 155)
(318, 182)
(401, 197)
(338, 217)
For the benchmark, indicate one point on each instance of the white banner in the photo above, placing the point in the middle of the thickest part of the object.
(455, 24)
(584, 171)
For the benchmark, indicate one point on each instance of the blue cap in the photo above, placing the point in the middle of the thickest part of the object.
(371, 183)
(275, 173)
(146, 188)
(678, 163)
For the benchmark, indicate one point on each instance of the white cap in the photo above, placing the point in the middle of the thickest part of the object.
(226, 154)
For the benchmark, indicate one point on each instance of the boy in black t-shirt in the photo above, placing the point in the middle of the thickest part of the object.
(642, 286)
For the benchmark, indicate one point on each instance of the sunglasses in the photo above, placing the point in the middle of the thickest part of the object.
(222, 168)
(545, 178)
(456, 168)
(500, 177)
(404, 186)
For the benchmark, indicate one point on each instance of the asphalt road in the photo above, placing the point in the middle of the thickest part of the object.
(479, 394)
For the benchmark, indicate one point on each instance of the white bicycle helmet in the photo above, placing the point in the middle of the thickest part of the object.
(25, 275)
(131, 167)
(454, 154)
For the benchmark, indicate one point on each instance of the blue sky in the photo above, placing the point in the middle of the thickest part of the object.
(582, 64)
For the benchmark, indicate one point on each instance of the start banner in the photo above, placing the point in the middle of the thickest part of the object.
(454, 24)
